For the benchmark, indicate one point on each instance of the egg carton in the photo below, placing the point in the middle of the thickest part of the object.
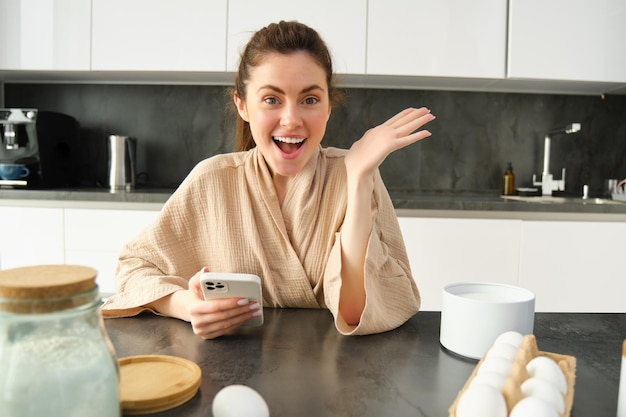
(512, 387)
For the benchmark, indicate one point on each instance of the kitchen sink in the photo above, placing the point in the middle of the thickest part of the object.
(561, 200)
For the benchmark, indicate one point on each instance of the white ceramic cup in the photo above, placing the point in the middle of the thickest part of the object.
(474, 314)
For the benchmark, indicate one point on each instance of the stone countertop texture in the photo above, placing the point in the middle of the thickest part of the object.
(302, 367)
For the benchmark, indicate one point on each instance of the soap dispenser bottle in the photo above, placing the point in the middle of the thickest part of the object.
(508, 181)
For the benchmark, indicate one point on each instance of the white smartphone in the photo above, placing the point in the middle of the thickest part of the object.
(228, 285)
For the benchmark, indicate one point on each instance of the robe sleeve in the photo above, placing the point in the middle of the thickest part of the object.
(161, 259)
(392, 296)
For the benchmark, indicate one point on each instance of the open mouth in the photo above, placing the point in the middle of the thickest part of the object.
(287, 144)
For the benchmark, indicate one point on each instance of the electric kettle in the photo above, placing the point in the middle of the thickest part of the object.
(122, 163)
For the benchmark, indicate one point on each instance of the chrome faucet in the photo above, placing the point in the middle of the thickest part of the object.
(548, 183)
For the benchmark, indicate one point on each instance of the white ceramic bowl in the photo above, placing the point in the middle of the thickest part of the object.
(474, 314)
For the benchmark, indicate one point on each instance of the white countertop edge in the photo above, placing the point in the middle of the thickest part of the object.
(74, 204)
(459, 214)
(512, 215)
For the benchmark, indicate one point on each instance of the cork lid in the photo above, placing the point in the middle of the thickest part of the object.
(41, 288)
(46, 281)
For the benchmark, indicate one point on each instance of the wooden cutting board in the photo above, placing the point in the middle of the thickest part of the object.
(154, 383)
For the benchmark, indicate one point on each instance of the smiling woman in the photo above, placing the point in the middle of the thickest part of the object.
(315, 224)
(286, 107)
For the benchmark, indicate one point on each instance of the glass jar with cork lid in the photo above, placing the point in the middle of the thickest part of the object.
(55, 356)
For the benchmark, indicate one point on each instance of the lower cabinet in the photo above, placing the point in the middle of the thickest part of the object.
(571, 266)
(443, 251)
(31, 236)
(89, 237)
(575, 266)
(94, 237)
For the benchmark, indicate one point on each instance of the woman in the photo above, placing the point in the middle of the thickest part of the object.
(316, 224)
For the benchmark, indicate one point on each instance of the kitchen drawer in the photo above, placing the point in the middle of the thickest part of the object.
(95, 237)
(574, 266)
(443, 251)
(103, 230)
(30, 236)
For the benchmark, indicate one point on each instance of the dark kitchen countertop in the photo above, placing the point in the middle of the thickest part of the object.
(141, 195)
(89, 198)
(404, 202)
(494, 202)
(302, 367)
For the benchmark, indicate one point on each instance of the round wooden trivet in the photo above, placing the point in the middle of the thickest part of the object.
(154, 383)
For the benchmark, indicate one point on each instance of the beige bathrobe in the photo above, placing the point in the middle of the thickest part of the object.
(226, 216)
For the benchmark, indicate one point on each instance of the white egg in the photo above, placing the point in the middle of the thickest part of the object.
(512, 337)
(481, 401)
(544, 390)
(504, 350)
(239, 401)
(545, 368)
(533, 407)
(495, 379)
(495, 364)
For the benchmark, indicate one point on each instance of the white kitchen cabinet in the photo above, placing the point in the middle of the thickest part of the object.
(443, 251)
(575, 266)
(576, 40)
(341, 24)
(31, 236)
(444, 38)
(94, 237)
(45, 35)
(159, 35)
(570, 266)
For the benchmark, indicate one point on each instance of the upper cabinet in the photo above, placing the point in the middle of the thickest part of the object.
(159, 35)
(444, 38)
(576, 40)
(556, 47)
(45, 35)
(340, 23)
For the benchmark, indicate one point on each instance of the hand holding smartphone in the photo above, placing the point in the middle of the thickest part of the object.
(217, 285)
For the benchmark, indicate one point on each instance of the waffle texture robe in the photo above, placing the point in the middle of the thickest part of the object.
(226, 216)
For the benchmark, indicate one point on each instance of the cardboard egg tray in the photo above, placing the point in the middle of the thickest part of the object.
(512, 386)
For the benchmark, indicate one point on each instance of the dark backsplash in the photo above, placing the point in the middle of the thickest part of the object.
(474, 134)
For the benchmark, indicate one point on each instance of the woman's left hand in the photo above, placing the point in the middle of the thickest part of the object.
(361, 161)
(377, 143)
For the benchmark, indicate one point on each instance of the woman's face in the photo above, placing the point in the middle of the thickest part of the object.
(287, 106)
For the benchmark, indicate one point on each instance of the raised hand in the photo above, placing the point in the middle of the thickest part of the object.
(401, 130)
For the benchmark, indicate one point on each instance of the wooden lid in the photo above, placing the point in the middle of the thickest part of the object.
(154, 383)
(46, 281)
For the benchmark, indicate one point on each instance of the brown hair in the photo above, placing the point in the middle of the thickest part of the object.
(283, 38)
